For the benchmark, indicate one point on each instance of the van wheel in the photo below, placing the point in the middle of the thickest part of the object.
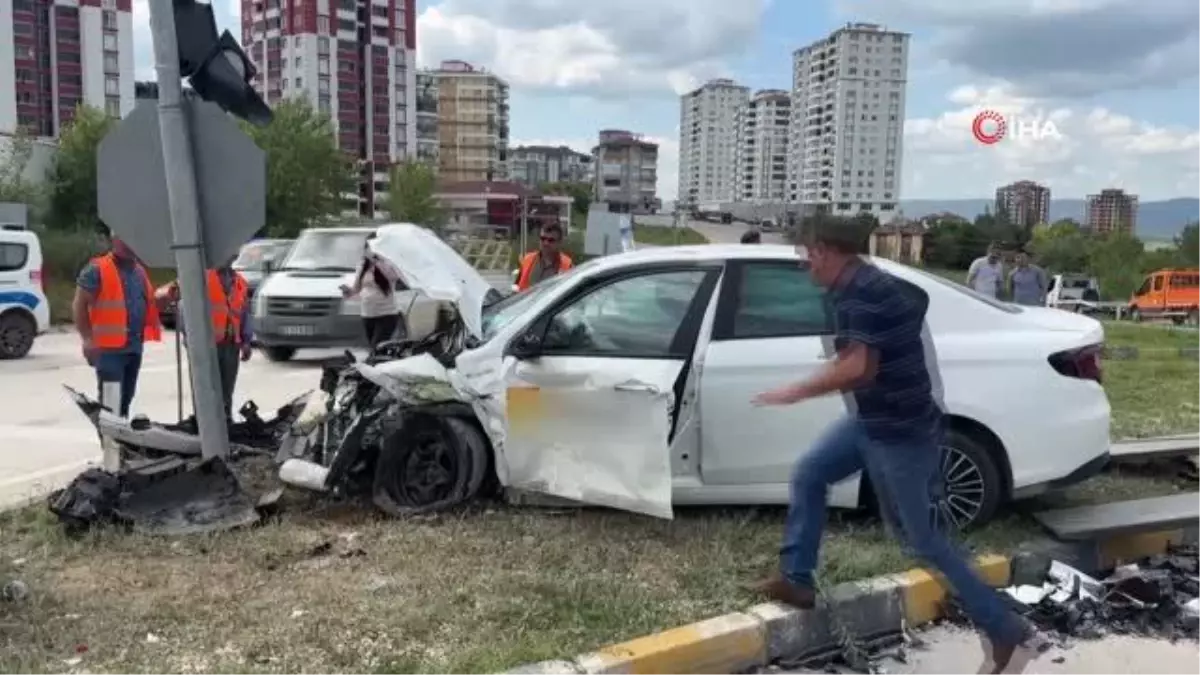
(17, 332)
(279, 354)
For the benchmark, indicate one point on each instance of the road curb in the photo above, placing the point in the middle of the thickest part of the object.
(768, 632)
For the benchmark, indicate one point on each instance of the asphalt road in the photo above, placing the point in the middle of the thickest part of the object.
(955, 650)
(47, 441)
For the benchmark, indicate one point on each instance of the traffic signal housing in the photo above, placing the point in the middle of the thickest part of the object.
(216, 67)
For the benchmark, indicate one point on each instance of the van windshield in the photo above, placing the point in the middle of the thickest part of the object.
(254, 256)
(326, 251)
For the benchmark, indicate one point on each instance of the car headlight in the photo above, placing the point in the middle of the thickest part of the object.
(351, 306)
(260, 304)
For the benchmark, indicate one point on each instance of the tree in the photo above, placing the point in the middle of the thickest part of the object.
(308, 176)
(580, 193)
(412, 197)
(1188, 245)
(14, 167)
(1116, 261)
(1061, 247)
(72, 184)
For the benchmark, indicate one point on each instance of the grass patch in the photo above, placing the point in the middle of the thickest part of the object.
(1155, 394)
(478, 591)
(663, 235)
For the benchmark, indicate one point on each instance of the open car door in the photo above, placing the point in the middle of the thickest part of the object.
(592, 386)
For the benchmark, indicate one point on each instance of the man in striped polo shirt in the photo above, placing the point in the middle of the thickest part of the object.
(893, 431)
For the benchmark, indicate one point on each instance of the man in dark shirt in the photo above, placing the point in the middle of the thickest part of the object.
(893, 432)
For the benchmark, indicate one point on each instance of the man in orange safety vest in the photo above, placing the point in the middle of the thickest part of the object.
(545, 262)
(229, 307)
(115, 315)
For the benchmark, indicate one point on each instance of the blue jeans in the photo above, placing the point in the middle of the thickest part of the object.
(901, 473)
(121, 368)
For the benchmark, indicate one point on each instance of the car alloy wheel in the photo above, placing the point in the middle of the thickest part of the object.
(16, 335)
(430, 470)
(960, 492)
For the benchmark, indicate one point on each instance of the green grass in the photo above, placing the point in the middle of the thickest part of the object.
(1155, 394)
(662, 235)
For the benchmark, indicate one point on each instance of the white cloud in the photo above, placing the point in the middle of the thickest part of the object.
(1097, 148)
(615, 48)
(668, 158)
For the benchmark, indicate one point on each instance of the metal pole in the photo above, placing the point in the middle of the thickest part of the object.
(178, 368)
(184, 204)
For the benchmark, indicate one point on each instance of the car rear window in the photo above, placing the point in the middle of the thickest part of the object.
(13, 256)
(998, 304)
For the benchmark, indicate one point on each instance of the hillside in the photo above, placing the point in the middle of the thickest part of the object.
(1156, 220)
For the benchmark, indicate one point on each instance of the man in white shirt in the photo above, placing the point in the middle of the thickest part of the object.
(986, 274)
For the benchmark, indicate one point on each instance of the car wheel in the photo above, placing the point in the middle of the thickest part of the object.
(17, 332)
(968, 489)
(430, 463)
(279, 354)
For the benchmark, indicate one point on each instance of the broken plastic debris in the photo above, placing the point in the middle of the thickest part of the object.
(1065, 576)
(1029, 595)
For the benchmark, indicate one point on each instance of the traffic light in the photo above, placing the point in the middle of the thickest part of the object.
(217, 68)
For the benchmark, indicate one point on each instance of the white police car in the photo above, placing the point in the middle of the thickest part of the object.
(24, 310)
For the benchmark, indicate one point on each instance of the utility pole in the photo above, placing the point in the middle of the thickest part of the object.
(180, 174)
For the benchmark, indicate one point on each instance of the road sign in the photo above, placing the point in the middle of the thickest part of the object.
(231, 183)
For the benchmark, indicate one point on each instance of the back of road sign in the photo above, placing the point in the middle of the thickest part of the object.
(231, 183)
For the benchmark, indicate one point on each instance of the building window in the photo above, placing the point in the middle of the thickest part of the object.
(344, 25)
(323, 42)
(112, 86)
(110, 42)
(110, 63)
(299, 83)
(323, 102)
(109, 20)
(323, 85)
(112, 106)
(323, 65)
(323, 28)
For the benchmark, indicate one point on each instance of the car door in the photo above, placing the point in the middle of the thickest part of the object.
(773, 326)
(591, 395)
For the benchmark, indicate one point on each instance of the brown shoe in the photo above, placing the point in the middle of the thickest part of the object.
(780, 589)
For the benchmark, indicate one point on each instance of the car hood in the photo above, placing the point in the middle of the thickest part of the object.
(306, 284)
(429, 265)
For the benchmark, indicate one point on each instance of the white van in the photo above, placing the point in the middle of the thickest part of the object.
(300, 304)
(24, 310)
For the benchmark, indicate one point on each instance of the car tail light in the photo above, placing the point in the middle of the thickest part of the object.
(1083, 363)
(38, 277)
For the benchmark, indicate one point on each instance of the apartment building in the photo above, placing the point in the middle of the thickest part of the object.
(58, 54)
(1024, 203)
(708, 130)
(354, 60)
(762, 137)
(427, 118)
(626, 167)
(1112, 211)
(472, 123)
(845, 143)
(533, 165)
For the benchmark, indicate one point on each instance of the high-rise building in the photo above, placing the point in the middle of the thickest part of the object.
(845, 142)
(626, 168)
(708, 130)
(762, 148)
(354, 60)
(1112, 211)
(472, 123)
(427, 118)
(533, 165)
(1024, 203)
(58, 54)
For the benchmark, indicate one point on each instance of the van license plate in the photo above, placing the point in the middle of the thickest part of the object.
(298, 331)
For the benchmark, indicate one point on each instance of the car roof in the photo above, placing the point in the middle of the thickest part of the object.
(699, 252)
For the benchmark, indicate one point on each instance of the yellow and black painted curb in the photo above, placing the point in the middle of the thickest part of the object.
(768, 632)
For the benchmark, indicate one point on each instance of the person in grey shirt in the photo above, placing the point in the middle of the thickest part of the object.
(986, 274)
(1027, 282)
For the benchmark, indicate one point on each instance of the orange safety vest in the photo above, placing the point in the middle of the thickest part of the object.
(531, 259)
(227, 309)
(110, 321)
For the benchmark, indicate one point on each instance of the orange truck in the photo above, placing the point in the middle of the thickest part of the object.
(1167, 294)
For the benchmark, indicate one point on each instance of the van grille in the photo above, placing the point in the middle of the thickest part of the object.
(301, 307)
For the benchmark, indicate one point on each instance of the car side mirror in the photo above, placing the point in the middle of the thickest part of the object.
(527, 345)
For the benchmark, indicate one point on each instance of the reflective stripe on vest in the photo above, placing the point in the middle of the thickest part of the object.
(227, 309)
(110, 321)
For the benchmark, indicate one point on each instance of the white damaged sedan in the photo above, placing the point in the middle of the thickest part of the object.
(627, 382)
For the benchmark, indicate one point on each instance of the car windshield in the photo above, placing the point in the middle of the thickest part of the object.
(254, 256)
(500, 313)
(987, 300)
(327, 251)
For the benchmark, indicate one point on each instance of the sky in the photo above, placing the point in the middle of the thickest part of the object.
(1118, 80)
